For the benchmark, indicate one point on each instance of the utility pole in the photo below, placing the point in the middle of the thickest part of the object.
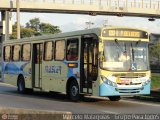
(18, 19)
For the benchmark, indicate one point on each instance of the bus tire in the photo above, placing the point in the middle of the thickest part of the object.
(73, 91)
(21, 85)
(114, 98)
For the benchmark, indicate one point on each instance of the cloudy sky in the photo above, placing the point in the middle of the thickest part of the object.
(71, 22)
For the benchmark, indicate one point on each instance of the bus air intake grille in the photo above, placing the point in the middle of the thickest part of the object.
(129, 84)
(129, 90)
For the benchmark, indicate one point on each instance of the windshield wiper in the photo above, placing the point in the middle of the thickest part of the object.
(118, 45)
(132, 52)
(137, 43)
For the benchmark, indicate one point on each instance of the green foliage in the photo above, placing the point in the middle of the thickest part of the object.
(35, 28)
(47, 28)
(34, 24)
(154, 51)
(155, 81)
(27, 32)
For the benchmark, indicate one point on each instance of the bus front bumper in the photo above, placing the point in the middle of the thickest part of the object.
(107, 90)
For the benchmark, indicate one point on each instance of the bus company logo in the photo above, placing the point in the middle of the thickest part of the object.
(4, 116)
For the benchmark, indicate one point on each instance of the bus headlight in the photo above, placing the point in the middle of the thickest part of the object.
(108, 82)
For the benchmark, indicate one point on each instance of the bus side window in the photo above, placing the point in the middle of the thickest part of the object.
(26, 52)
(72, 50)
(59, 50)
(48, 51)
(7, 53)
(16, 52)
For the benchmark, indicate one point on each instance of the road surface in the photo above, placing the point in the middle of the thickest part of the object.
(9, 97)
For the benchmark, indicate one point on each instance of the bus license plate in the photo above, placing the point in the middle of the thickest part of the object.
(125, 81)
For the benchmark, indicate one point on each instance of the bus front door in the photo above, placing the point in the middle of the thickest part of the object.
(37, 65)
(89, 64)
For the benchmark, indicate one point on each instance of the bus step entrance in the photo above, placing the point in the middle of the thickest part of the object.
(88, 84)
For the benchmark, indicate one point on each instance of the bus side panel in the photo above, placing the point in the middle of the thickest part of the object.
(8, 77)
(56, 74)
(27, 74)
(13, 69)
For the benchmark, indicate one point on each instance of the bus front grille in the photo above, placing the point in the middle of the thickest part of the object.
(129, 90)
(129, 84)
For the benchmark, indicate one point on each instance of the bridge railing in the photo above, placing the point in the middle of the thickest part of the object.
(149, 4)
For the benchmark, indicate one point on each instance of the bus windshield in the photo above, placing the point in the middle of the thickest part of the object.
(125, 56)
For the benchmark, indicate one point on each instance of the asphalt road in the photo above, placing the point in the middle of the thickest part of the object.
(9, 97)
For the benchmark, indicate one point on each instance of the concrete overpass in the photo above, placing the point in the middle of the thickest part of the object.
(139, 8)
(142, 8)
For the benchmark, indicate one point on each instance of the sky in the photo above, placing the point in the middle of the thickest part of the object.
(72, 22)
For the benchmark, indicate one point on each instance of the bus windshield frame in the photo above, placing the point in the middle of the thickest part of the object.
(124, 56)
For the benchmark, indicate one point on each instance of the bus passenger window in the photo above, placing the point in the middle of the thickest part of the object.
(72, 50)
(7, 53)
(60, 48)
(26, 52)
(48, 51)
(16, 52)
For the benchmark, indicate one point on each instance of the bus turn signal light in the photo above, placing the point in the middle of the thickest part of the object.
(72, 65)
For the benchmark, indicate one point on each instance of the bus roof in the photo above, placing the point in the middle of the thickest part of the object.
(96, 31)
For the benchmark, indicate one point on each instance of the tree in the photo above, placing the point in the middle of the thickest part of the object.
(155, 51)
(46, 28)
(35, 28)
(33, 24)
(42, 28)
(25, 32)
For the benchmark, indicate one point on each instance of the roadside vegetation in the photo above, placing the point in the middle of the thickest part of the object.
(154, 53)
(155, 81)
(35, 28)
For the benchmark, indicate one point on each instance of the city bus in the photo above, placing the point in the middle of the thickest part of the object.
(105, 62)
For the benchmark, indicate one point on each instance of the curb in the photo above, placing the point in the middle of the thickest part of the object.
(30, 114)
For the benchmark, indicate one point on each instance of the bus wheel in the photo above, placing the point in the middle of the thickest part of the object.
(21, 85)
(74, 91)
(114, 98)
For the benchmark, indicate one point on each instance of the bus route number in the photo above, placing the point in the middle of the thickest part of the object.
(53, 69)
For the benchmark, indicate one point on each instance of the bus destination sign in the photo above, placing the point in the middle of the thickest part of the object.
(125, 33)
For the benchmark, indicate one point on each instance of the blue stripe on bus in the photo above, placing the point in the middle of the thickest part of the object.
(14, 68)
